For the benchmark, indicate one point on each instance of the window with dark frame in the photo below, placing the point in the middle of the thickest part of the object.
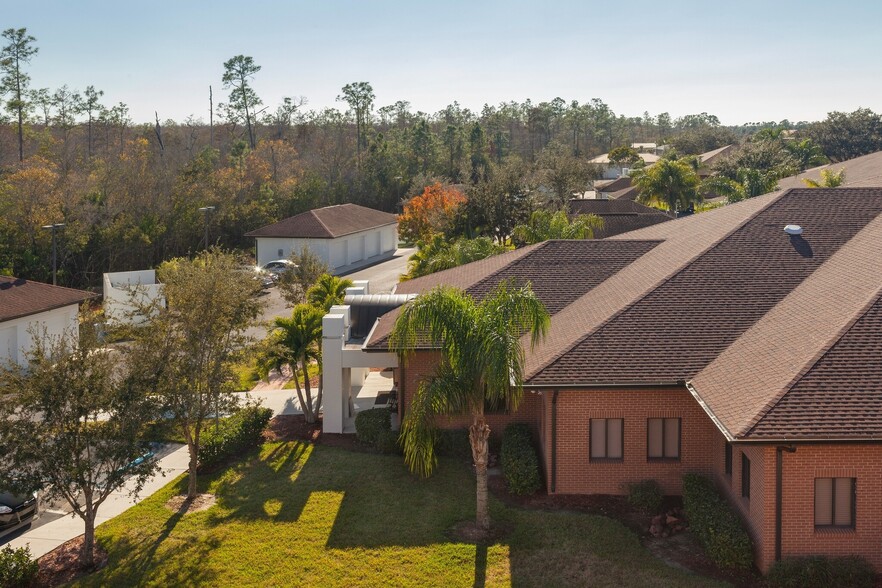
(728, 459)
(663, 439)
(606, 439)
(835, 503)
(745, 476)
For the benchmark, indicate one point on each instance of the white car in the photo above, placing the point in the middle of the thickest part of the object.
(277, 266)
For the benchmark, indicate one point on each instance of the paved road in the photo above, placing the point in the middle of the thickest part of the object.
(53, 528)
(383, 277)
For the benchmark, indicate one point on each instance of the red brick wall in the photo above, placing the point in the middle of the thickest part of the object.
(422, 365)
(576, 474)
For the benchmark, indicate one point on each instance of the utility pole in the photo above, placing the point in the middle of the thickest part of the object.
(54, 228)
(210, 119)
(207, 210)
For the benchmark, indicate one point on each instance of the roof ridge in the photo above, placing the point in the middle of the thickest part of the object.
(316, 217)
(810, 364)
(651, 288)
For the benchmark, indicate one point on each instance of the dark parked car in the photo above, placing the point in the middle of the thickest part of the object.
(16, 511)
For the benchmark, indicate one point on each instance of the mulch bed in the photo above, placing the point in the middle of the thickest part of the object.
(61, 565)
(295, 428)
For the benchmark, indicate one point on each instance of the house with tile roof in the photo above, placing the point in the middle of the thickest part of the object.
(345, 236)
(716, 343)
(28, 307)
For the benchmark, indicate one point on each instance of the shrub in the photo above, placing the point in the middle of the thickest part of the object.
(387, 442)
(715, 524)
(371, 424)
(520, 464)
(237, 434)
(17, 569)
(645, 496)
(821, 572)
(454, 443)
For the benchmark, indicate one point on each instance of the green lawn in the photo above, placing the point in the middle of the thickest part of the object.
(304, 515)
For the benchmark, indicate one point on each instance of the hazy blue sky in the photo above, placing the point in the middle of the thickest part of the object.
(743, 61)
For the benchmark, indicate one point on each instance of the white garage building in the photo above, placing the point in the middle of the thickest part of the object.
(346, 236)
(28, 307)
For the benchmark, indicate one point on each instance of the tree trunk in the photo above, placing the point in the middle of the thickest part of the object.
(191, 478)
(87, 555)
(311, 414)
(303, 407)
(479, 433)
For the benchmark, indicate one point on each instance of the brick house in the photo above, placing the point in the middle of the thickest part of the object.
(717, 343)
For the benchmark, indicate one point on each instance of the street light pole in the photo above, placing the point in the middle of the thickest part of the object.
(54, 228)
(206, 210)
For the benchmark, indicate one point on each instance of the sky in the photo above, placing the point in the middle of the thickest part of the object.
(743, 61)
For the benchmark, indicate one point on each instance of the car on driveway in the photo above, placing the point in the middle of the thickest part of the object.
(277, 266)
(17, 511)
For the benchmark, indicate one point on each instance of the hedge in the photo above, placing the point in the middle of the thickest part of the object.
(646, 496)
(371, 423)
(237, 434)
(454, 443)
(716, 525)
(821, 572)
(520, 463)
(17, 569)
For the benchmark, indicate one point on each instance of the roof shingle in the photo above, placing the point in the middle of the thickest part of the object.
(327, 223)
(20, 297)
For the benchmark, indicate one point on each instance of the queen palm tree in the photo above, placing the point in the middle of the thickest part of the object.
(327, 291)
(671, 183)
(482, 361)
(545, 225)
(296, 342)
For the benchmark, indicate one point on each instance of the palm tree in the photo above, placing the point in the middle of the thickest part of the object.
(327, 291)
(829, 179)
(482, 361)
(296, 342)
(751, 182)
(544, 225)
(671, 183)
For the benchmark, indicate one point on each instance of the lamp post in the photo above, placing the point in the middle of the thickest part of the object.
(206, 210)
(54, 227)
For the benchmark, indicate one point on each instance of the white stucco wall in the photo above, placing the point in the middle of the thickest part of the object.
(342, 254)
(17, 335)
(126, 292)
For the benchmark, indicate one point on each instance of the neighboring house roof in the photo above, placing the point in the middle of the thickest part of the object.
(619, 216)
(327, 223)
(649, 158)
(612, 185)
(710, 157)
(20, 297)
(629, 193)
(777, 337)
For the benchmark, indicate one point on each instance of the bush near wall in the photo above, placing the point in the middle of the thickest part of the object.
(17, 569)
(821, 572)
(237, 434)
(716, 525)
(374, 427)
(645, 496)
(520, 463)
(454, 443)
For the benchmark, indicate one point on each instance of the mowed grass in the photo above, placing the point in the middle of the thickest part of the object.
(304, 515)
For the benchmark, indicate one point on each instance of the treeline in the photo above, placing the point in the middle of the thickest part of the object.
(129, 193)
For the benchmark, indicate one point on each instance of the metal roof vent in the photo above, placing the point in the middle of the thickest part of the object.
(793, 230)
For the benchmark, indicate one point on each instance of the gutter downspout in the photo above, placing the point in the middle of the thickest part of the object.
(554, 441)
(779, 484)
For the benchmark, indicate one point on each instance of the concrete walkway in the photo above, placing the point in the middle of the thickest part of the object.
(43, 537)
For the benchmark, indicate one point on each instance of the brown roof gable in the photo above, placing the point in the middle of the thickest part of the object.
(619, 216)
(20, 297)
(327, 223)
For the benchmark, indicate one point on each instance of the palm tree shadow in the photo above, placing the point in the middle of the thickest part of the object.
(480, 565)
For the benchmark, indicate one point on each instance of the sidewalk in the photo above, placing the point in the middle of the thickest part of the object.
(44, 538)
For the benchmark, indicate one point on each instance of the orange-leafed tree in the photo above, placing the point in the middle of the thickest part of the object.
(429, 213)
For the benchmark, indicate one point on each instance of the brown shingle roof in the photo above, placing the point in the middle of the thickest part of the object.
(682, 325)
(619, 216)
(558, 271)
(613, 185)
(327, 223)
(20, 297)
